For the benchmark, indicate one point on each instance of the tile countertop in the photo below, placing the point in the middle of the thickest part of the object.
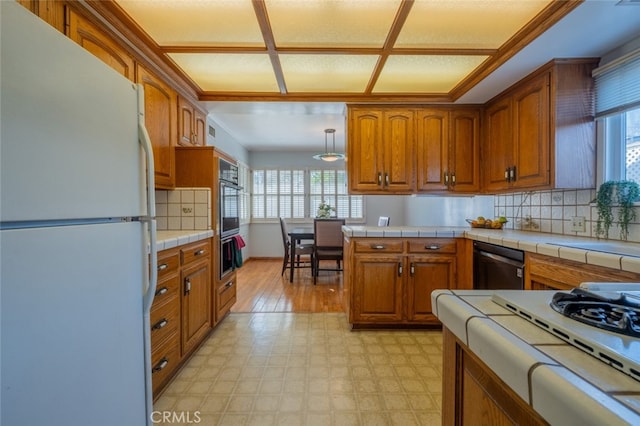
(614, 254)
(563, 384)
(170, 239)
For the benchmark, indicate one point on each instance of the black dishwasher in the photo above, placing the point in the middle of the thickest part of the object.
(496, 267)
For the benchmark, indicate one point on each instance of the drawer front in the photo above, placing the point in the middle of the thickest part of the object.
(166, 290)
(378, 245)
(432, 245)
(168, 262)
(195, 251)
(164, 362)
(226, 296)
(165, 320)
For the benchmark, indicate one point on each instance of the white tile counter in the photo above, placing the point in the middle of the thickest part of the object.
(620, 255)
(170, 239)
(563, 384)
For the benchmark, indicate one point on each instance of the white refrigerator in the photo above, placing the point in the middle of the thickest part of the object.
(77, 234)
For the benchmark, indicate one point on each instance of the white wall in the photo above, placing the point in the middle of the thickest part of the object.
(446, 211)
(225, 142)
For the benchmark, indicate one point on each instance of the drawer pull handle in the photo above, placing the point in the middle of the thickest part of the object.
(379, 179)
(160, 324)
(412, 269)
(162, 291)
(377, 246)
(229, 284)
(187, 286)
(399, 269)
(432, 247)
(161, 365)
(162, 267)
(199, 252)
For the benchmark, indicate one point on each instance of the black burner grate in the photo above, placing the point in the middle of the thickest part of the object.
(615, 312)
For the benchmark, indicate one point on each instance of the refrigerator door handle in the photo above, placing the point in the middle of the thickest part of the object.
(145, 142)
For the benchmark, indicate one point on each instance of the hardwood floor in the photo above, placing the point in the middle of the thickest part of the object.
(261, 288)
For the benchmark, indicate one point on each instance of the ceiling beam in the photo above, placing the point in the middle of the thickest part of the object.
(394, 32)
(270, 43)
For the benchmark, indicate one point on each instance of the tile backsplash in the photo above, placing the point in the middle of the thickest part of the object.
(183, 209)
(551, 211)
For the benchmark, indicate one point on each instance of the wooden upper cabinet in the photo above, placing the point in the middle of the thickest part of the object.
(99, 44)
(531, 109)
(381, 150)
(448, 149)
(533, 128)
(365, 162)
(192, 124)
(497, 145)
(432, 149)
(398, 174)
(160, 106)
(51, 11)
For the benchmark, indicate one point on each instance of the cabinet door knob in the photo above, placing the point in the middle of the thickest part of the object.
(160, 324)
(160, 365)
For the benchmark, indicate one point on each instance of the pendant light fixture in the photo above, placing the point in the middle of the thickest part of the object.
(329, 156)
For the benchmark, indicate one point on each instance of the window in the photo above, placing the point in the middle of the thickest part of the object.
(297, 194)
(244, 180)
(618, 114)
(621, 153)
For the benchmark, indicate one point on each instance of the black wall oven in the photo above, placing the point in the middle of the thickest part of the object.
(228, 199)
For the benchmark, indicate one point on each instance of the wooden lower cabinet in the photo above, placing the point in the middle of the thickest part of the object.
(181, 314)
(225, 295)
(472, 394)
(196, 304)
(552, 273)
(390, 280)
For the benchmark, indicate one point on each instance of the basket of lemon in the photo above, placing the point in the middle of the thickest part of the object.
(481, 222)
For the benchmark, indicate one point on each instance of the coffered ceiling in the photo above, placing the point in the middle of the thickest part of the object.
(324, 50)
(275, 73)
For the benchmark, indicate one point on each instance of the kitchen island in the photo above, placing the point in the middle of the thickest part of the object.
(499, 368)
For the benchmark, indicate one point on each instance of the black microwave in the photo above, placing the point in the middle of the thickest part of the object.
(228, 172)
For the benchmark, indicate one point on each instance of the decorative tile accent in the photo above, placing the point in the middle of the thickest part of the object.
(551, 212)
(183, 209)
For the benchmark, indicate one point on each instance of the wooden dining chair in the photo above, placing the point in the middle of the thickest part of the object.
(302, 250)
(327, 244)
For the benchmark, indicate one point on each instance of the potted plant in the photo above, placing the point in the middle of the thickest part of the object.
(324, 210)
(621, 194)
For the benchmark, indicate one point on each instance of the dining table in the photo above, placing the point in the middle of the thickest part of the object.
(297, 235)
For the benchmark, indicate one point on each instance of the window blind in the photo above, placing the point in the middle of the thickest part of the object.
(618, 85)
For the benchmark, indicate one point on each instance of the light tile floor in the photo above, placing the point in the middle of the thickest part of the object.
(307, 369)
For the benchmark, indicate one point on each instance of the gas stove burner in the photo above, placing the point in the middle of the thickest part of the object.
(613, 312)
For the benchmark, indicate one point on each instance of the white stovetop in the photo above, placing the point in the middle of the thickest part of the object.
(563, 384)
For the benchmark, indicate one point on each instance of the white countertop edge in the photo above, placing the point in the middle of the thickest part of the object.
(561, 397)
(171, 239)
(533, 242)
